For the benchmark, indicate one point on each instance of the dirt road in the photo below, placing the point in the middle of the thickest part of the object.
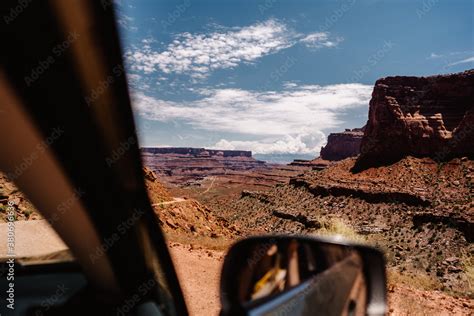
(175, 200)
(199, 273)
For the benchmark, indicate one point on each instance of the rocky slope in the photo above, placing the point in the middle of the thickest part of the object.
(419, 116)
(419, 212)
(184, 218)
(343, 145)
(9, 192)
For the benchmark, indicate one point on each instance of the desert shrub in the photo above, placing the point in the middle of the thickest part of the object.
(467, 262)
(416, 279)
(337, 227)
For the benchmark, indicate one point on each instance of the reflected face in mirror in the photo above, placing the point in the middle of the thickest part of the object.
(327, 275)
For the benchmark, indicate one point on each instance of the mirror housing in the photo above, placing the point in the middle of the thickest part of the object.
(296, 275)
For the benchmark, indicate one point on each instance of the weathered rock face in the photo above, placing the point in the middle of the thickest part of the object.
(343, 145)
(412, 209)
(197, 152)
(192, 166)
(419, 116)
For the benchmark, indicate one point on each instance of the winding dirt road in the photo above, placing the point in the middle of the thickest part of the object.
(174, 201)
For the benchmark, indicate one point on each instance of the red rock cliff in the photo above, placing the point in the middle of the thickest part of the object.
(342, 145)
(419, 116)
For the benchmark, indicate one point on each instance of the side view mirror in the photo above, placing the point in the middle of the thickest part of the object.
(290, 275)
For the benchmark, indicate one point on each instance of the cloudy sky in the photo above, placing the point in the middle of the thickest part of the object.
(276, 77)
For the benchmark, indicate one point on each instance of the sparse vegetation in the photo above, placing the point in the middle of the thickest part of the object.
(336, 226)
(415, 280)
(467, 262)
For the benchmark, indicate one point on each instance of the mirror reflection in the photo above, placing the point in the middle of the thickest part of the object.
(328, 274)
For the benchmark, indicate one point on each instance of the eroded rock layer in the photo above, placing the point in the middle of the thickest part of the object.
(420, 212)
(194, 166)
(419, 116)
(343, 145)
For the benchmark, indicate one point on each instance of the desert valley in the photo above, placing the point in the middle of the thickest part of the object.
(404, 183)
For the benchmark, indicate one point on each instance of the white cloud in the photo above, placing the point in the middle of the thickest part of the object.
(434, 56)
(464, 61)
(320, 40)
(449, 56)
(289, 85)
(290, 120)
(199, 54)
(302, 144)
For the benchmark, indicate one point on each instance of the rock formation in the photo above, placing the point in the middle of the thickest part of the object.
(419, 116)
(412, 209)
(192, 166)
(197, 152)
(343, 145)
(183, 216)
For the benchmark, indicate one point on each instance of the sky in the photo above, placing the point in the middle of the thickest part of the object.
(276, 77)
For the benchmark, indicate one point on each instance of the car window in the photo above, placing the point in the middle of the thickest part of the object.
(28, 236)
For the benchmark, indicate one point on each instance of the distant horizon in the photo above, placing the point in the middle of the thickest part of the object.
(277, 158)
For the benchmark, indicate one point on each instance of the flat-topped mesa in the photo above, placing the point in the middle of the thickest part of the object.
(192, 166)
(203, 152)
(343, 145)
(419, 116)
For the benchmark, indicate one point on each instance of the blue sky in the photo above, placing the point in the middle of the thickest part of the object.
(276, 77)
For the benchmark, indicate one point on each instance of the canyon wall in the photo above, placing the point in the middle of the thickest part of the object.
(419, 116)
(343, 145)
(196, 151)
(193, 166)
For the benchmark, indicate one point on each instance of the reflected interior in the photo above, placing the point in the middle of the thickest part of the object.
(329, 273)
